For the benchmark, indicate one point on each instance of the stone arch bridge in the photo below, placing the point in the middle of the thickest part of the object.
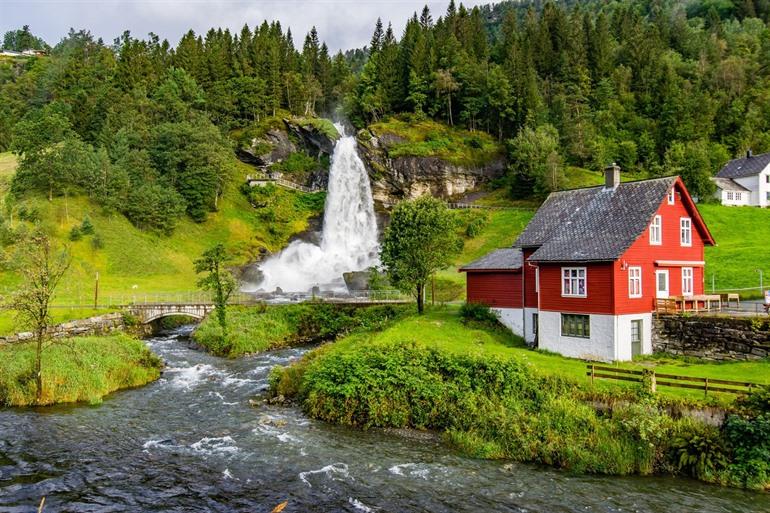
(147, 313)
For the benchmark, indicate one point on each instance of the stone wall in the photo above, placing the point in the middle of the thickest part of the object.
(99, 325)
(712, 337)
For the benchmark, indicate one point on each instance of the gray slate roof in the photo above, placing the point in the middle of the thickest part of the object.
(593, 224)
(728, 184)
(507, 259)
(748, 166)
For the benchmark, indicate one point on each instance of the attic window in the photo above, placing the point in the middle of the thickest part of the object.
(685, 231)
(656, 231)
(671, 197)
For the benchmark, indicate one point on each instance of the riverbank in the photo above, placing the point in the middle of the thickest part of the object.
(79, 369)
(491, 398)
(255, 329)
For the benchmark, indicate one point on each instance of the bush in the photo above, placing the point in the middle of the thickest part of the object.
(75, 234)
(700, 452)
(478, 312)
(97, 242)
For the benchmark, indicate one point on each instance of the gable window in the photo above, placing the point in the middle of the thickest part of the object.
(573, 325)
(730, 195)
(634, 282)
(671, 197)
(685, 231)
(687, 281)
(737, 196)
(573, 281)
(656, 231)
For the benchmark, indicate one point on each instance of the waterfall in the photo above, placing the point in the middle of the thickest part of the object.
(349, 239)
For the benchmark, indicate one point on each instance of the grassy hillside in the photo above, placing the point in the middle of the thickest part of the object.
(425, 138)
(742, 235)
(132, 262)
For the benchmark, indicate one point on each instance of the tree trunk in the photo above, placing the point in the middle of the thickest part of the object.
(39, 368)
(449, 100)
(420, 298)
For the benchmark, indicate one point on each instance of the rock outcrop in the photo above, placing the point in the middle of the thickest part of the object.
(277, 144)
(409, 177)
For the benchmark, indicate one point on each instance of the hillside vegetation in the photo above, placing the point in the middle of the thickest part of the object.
(132, 262)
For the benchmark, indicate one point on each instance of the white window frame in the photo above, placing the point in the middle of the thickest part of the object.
(688, 281)
(635, 282)
(573, 274)
(738, 196)
(730, 196)
(685, 231)
(656, 231)
(671, 197)
(640, 324)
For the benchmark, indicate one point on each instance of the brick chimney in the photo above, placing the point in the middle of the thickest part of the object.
(612, 176)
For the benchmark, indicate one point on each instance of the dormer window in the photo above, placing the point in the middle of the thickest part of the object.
(656, 231)
(671, 197)
(685, 231)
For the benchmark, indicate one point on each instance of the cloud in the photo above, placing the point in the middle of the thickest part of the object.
(342, 24)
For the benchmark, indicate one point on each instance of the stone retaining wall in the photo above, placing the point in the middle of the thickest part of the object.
(712, 337)
(99, 325)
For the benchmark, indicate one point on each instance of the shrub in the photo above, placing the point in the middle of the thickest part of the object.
(699, 452)
(97, 242)
(478, 312)
(75, 234)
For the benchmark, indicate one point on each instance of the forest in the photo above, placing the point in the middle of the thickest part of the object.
(143, 127)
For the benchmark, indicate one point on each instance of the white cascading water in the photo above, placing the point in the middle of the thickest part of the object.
(349, 239)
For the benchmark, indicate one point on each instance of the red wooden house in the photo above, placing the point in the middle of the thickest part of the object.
(583, 277)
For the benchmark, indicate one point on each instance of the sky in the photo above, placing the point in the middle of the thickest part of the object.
(343, 24)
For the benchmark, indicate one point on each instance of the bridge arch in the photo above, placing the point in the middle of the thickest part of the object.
(161, 315)
(147, 313)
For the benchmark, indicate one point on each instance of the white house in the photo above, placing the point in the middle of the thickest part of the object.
(745, 181)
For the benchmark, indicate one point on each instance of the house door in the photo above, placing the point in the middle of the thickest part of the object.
(661, 287)
(636, 337)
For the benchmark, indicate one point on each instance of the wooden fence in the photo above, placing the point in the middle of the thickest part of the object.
(670, 380)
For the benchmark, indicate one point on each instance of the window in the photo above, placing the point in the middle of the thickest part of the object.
(634, 282)
(687, 281)
(767, 178)
(575, 325)
(767, 195)
(573, 281)
(636, 331)
(656, 236)
(671, 197)
(685, 231)
(730, 195)
(737, 196)
(534, 323)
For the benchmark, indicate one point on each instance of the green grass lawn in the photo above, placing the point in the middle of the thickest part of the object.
(742, 235)
(443, 328)
(427, 138)
(81, 369)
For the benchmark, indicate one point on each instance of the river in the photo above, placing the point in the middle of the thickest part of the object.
(192, 442)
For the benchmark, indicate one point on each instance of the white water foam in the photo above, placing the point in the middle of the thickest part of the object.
(349, 241)
(410, 469)
(189, 377)
(331, 471)
(215, 445)
(360, 506)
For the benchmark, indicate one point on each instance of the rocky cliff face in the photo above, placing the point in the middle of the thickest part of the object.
(409, 177)
(278, 144)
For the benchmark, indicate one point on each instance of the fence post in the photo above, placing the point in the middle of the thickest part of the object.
(706, 388)
(653, 383)
(592, 373)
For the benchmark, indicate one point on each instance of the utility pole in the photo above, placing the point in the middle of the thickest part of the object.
(96, 291)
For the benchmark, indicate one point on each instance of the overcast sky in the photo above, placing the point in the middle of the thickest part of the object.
(342, 24)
